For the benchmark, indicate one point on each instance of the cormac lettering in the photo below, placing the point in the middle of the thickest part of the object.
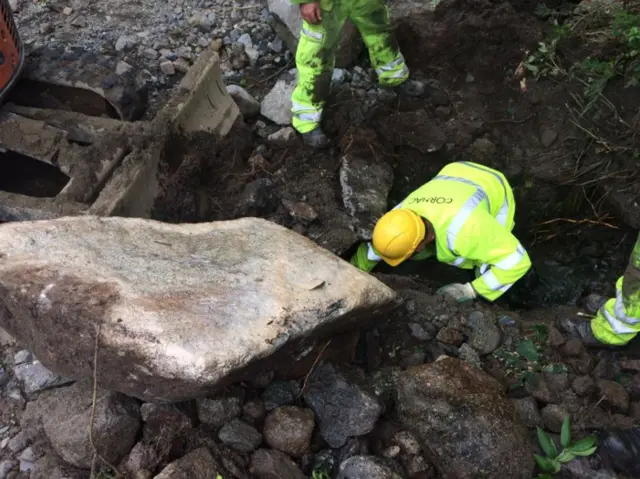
(439, 200)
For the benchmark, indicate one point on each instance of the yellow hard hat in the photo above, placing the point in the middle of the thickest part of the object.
(397, 235)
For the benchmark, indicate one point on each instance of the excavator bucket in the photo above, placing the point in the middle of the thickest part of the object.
(11, 51)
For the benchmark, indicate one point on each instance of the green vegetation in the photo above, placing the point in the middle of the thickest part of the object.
(526, 359)
(552, 461)
(319, 474)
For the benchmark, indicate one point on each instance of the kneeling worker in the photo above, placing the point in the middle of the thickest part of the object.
(464, 216)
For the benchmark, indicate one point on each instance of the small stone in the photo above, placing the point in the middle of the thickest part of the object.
(67, 11)
(4, 443)
(122, 68)
(284, 136)
(527, 409)
(548, 137)
(369, 467)
(391, 452)
(485, 338)
(300, 211)
(557, 382)
(289, 429)
(573, 348)
(27, 459)
(338, 77)
(280, 393)
(613, 395)
(483, 148)
(553, 416)
(22, 357)
(449, 335)
(270, 464)
(556, 339)
(168, 54)
(15, 6)
(277, 45)
(181, 65)
(630, 365)
(203, 20)
(469, 355)
(422, 333)
(219, 411)
(36, 377)
(18, 442)
(583, 386)
(443, 112)
(245, 39)
(539, 389)
(216, 45)
(254, 411)
(248, 105)
(240, 436)
(167, 68)
(6, 467)
(150, 53)
(125, 43)
(407, 442)
(46, 28)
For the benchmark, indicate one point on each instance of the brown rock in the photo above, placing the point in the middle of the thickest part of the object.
(289, 429)
(556, 339)
(613, 395)
(199, 464)
(573, 348)
(270, 464)
(552, 417)
(630, 365)
(449, 335)
(583, 386)
(463, 419)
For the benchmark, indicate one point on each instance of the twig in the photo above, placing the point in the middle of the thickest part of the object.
(578, 222)
(96, 454)
(306, 378)
(509, 120)
(264, 80)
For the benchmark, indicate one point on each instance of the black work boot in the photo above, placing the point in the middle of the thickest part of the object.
(412, 88)
(316, 139)
(619, 450)
(581, 330)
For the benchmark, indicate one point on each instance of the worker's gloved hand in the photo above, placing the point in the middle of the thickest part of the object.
(311, 12)
(459, 292)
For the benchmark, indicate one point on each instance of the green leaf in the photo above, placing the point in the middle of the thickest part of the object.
(565, 456)
(565, 432)
(528, 349)
(547, 444)
(547, 465)
(583, 444)
(586, 452)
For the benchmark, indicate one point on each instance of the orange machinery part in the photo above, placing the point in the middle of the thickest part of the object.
(11, 52)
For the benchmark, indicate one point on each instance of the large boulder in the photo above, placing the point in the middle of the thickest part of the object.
(288, 25)
(180, 309)
(464, 421)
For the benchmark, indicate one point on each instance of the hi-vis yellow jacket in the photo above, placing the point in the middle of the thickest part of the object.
(471, 208)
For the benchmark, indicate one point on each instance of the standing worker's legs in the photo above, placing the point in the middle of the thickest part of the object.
(315, 58)
(372, 19)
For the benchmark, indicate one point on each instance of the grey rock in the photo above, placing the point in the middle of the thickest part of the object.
(548, 137)
(164, 424)
(365, 185)
(203, 20)
(300, 211)
(280, 393)
(407, 442)
(254, 411)
(248, 105)
(485, 337)
(527, 409)
(479, 434)
(18, 442)
(284, 136)
(422, 332)
(583, 386)
(15, 5)
(167, 68)
(245, 39)
(36, 377)
(344, 407)
(142, 457)
(277, 45)
(276, 105)
(614, 395)
(126, 43)
(289, 429)
(181, 65)
(469, 355)
(552, 417)
(217, 412)
(240, 436)
(366, 467)
(27, 459)
(66, 414)
(270, 464)
(122, 68)
(23, 356)
(198, 464)
(119, 272)
(6, 467)
(338, 77)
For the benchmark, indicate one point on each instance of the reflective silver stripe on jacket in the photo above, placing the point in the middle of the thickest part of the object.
(617, 325)
(504, 209)
(315, 35)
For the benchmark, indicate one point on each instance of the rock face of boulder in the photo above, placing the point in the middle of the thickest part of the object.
(464, 421)
(180, 309)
